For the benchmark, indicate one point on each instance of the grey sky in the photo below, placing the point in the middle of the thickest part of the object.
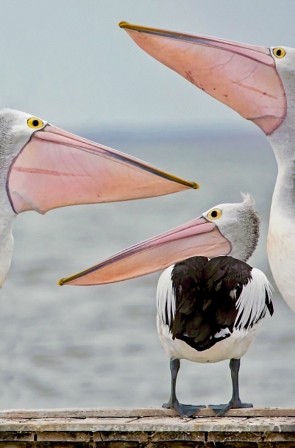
(68, 61)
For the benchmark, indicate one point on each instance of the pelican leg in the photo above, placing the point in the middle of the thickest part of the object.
(235, 401)
(184, 410)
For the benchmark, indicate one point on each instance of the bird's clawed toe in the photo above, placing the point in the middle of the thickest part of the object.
(221, 409)
(184, 410)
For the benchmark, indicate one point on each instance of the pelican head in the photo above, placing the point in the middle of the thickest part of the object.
(45, 167)
(257, 82)
(226, 229)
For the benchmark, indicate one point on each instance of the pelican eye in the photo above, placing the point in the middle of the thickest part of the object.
(35, 123)
(215, 213)
(279, 52)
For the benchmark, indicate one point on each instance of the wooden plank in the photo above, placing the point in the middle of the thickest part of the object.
(112, 436)
(151, 424)
(59, 436)
(140, 412)
(89, 428)
(65, 424)
(12, 436)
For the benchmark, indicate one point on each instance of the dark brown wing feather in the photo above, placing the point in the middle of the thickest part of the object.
(206, 292)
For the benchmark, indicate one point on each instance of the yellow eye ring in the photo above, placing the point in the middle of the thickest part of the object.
(279, 52)
(35, 123)
(215, 213)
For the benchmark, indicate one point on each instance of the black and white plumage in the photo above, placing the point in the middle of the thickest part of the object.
(208, 311)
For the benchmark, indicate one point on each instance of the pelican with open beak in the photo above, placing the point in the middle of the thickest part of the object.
(245, 77)
(227, 229)
(259, 83)
(44, 167)
(209, 305)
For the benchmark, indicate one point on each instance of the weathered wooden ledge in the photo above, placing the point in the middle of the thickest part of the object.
(151, 428)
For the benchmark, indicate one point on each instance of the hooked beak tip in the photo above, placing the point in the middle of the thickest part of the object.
(123, 24)
(195, 186)
(133, 27)
(61, 282)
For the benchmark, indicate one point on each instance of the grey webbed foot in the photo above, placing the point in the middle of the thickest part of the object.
(183, 410)
(235, 402)
(221, 409)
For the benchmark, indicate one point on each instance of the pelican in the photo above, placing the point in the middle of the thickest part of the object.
(258, 83)
(208, 308)
(44, 167)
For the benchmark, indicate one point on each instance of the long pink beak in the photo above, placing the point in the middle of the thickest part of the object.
(244, 77)
(196, 237)
(56, 169)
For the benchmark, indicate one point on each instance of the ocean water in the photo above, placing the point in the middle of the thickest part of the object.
(97, 346)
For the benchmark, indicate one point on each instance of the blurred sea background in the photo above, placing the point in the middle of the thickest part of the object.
(97, 346)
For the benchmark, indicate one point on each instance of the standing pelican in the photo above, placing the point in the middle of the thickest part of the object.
(43, 167)
(207, 309)
(258, 83)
